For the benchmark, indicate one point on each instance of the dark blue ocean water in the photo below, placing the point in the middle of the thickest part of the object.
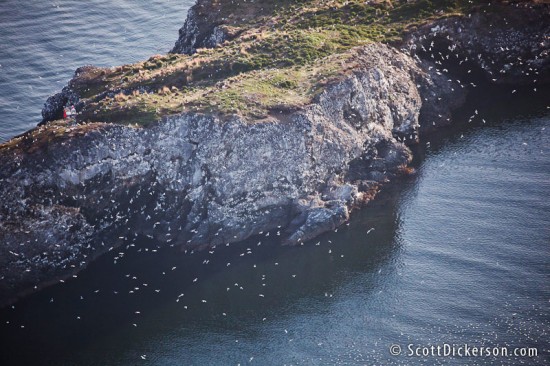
(457, 254)
(43, 42)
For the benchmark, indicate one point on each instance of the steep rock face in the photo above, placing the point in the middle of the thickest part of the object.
(191, 36)
(195, 180)
(203, 27)
(509, 45)
(53, 107)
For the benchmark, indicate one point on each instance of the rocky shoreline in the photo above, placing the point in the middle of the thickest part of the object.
(204, 177)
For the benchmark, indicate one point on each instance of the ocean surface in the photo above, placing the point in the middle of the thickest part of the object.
(456, 255)
(43, 42)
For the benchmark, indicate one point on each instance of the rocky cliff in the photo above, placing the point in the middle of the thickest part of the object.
(227, 143)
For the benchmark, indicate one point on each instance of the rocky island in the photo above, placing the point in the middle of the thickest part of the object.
(282, 116)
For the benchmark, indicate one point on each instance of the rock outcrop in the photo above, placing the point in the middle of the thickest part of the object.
(71, 193)
(509, 44)
(210, 23)
(53, 108)
(195, 180)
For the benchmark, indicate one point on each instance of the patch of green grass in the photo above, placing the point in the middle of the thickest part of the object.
(274, 63)
(257, 93)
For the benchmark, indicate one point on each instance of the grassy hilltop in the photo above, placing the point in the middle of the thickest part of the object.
(281, 55)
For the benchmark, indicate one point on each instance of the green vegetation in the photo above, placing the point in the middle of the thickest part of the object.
(283, 53)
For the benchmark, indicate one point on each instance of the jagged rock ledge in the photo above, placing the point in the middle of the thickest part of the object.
(199, 177)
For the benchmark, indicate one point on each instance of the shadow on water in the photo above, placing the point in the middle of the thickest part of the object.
(487, 106)
(152, 291)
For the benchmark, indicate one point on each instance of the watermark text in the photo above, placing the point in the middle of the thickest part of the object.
(461, 350)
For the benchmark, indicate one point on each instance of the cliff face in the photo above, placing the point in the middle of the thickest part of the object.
(196, 180)
(306, 145)
(211, 23)
(202, 28)
(508, 44)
